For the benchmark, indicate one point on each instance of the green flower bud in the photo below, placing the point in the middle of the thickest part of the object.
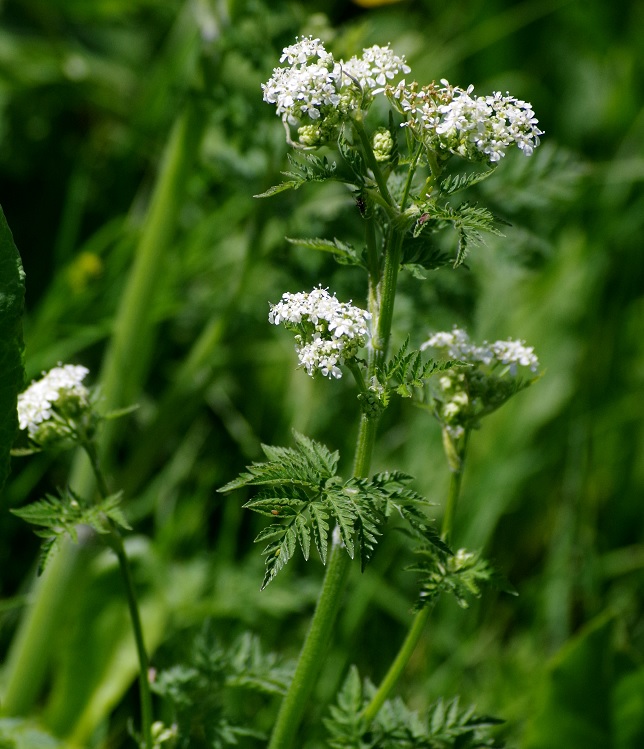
(382, 144)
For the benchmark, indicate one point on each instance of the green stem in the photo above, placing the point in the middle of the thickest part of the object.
(456, 478)
(420, 619)
(116, 544)
(319, 633)
(398, 664)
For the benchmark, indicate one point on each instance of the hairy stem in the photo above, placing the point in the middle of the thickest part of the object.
(319, 633)
(311, 655)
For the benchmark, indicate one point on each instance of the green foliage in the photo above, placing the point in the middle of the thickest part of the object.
(469, 221)
(311, 169)
(60, 515)
(406, 372)
(18, 733)
(353, 158)
(461, 575)
(302, 494)
(198, 690)
(344, 253)
(457, 182)
(446, 725)
(12, 292)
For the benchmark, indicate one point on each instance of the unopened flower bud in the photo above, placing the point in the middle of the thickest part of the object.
(382, 144)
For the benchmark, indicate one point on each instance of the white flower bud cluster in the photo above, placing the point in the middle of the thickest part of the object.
(59, 389)
(317, 88)
(328, 332)
(512, 354)
(463, 396)
(477, 128)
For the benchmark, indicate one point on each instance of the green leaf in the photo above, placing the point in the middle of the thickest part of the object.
(455, 182)
(12, 295)
(446, 725)
(344, 253)
(353, 159)
(290, 185)
(308, 464)
(461, 575)
(21, 733)
(60, 515)
(320, 528)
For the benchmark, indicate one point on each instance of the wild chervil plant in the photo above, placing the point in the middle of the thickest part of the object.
(405, 153)
(404, 171)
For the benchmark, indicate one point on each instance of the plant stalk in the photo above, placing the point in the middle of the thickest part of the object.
(319, 633)
(420, 619)
(115, 542)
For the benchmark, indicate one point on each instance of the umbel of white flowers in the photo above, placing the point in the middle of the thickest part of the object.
(449, 119)
(316, 94)
(327, 332)
(49, 408)
(465, 395)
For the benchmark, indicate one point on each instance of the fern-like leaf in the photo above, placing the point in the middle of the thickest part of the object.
(60, 515)
(445, 726)
(312, 169)
(456, 182)
(344, 253)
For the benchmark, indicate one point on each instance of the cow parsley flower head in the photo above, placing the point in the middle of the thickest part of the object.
(511, 354)
(315, 89)
(327, 332)
(49, 406)
(463, 395)
(478, 128)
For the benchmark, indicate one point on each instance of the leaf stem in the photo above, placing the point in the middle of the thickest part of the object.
(115, 542)
(420, 619)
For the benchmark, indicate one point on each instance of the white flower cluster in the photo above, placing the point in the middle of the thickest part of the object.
(40, 400)
(509, 353)
(481, 127)
(376, 67)
(463, 396)
(328, 331)
(317, 89)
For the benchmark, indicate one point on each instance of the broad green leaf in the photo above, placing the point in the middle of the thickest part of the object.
(12, 295)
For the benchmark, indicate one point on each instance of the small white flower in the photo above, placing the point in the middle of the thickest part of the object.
(328, 331)
(474, 127)
(316, 88)
(39, 401)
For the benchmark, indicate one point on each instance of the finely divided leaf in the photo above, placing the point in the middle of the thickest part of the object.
(456, 182)
(344, 253)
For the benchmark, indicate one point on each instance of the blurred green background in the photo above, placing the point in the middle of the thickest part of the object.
(554, 487)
